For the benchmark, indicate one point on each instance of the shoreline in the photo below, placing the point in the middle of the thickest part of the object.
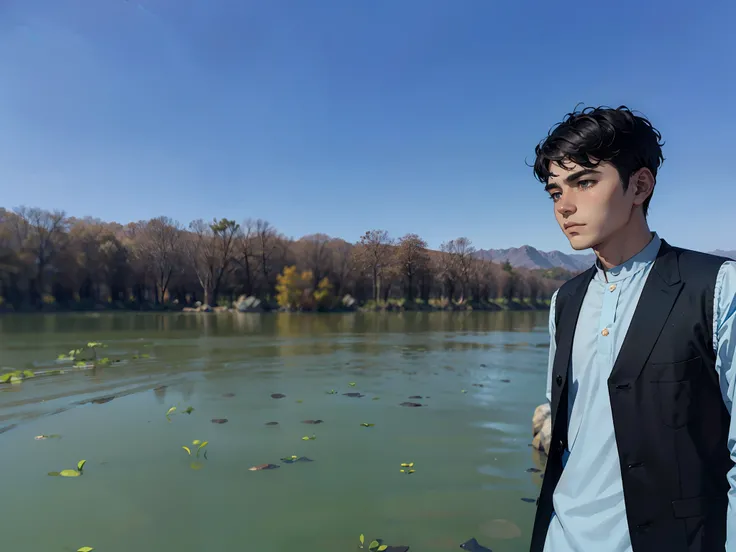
(513, 306)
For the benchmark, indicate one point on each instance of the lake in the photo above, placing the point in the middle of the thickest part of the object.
(479, 375)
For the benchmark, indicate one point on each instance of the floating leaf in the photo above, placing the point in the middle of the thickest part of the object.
(463, 391)
(365, 424)
(408, 465)
(373, 544)
(196, 465)
(362, 539)
(54, 474)
(80, 364)
(170, 411)
(15, 379)
(196, 442)
(352, 384)
(382, 548)
(85, 549)
(29, 374)
(376, 398)
(331, 392)
(145, 355)
(204, 444)
(189, 410)
(43, 437)
(69, 473)
(299, 401)
(80, 465)
(189, 452)
(307, 438)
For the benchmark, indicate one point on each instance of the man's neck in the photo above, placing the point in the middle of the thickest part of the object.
(620, 247)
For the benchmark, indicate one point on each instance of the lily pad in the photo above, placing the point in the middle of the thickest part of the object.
(264, 467)
(354, 395)
(473, 545)
(308, 438)
(219, 420)
(293, 459)
(277, 395)
(272, 423)
(85, 549)
(313, 422)
(411, 404)
(69, 473)
(366, 424)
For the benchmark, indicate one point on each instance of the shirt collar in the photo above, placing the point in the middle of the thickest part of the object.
(638, 262)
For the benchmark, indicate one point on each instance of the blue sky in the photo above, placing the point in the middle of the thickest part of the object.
(339, 116)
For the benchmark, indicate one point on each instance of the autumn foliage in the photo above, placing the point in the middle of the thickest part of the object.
(51, 261)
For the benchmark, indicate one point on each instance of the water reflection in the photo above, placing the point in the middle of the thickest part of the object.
(280, 324)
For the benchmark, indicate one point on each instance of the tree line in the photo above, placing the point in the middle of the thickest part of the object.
(48, 259)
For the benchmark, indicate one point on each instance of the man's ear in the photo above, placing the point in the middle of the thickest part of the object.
(642, 182)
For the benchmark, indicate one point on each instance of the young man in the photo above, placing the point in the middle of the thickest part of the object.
(642, 364)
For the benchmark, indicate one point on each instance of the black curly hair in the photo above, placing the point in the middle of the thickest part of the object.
(597, 134)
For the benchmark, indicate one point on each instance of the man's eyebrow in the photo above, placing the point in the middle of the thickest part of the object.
(571, 178)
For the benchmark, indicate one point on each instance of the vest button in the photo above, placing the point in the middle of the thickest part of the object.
(559, 379)
(604, 333)
(612, 287)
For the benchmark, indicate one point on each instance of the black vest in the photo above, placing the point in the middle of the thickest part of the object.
(669, 419)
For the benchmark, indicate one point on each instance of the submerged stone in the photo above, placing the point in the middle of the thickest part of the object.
(411, 404)
(219, 420)
(264, 467)
(313, 422)
(277, 395)
(353, 394)
(473, 545)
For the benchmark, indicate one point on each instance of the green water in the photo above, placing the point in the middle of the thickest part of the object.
(139, 493)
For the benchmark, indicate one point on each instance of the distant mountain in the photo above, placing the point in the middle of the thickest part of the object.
(527, 256)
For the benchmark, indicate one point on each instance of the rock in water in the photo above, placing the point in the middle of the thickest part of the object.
(278, 396)
(411, 404)
(472, 545)
(264, 467)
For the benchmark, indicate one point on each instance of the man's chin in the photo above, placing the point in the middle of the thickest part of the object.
(580, 243)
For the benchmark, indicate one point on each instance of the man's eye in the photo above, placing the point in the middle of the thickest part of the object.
(585, 183)
(555, 196)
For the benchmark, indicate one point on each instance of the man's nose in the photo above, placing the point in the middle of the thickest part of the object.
(566, 207)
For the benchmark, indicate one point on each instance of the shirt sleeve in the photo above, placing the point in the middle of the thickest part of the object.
(552, 344)
(724, 343)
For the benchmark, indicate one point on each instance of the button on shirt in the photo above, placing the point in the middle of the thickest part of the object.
(590, 514)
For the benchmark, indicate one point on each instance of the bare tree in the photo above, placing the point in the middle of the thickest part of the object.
(160, 242)
(412, 260)
(210, 249)
(40, 230)
(315, 255)
(375, 256)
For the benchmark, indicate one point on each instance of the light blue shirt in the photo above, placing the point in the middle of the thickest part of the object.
(589, 499)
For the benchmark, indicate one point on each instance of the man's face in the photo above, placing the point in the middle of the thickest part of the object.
(590, 204)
